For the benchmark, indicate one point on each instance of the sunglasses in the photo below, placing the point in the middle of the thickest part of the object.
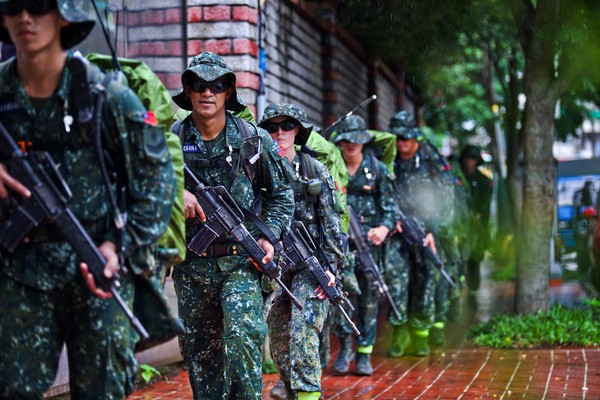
(403, 138)
(286, 125)
(33, 7)
(216, 87)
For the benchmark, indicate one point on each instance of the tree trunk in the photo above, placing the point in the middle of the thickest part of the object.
(533, 252)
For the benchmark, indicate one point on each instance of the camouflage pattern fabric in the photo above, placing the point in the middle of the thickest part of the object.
(293, 112)
(424, 190)
(294, 334)
(45, 273)
(371, 194)
(396, 274)
(220, 300)
(208, 67)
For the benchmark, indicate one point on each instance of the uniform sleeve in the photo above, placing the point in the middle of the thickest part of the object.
(387, 202)
(146, 161)
(329, 218)
(278, 197)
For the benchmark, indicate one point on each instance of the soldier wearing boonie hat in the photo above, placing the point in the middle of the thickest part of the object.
(371, 194)
(426, 192)
(295, 335)
(219, 294)
(48, 299)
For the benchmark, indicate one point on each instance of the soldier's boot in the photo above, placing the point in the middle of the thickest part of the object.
(279, 391)
(420, 346)
(400, 339)
(309, 395)
(269, 367)
(363, 364)
(437, 336)
(341, 365)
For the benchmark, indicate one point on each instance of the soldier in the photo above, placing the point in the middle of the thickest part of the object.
(295, 334)
(423, 193)
(370, 192)
(47, 298)
(219, 295)
(480, 188)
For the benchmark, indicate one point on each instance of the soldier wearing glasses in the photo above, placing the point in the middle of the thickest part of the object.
(295, 334)
(219, 294)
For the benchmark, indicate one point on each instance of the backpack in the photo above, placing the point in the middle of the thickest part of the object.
(157, 99)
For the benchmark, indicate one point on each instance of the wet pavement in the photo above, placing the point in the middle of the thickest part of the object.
(458, 371)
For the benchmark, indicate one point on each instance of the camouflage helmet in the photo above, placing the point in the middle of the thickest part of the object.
(294, 112)
(403, 124)
(354, 130)
(77, 12)
(208, 67)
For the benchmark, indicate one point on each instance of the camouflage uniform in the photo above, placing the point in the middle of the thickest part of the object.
(294, 334)
(44, 299)
(371, 194)
(423, 193)
(219, 297)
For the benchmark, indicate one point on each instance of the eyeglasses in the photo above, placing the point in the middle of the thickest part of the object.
(286, 125)
(216, 87)
(33, 7)
(403, 138)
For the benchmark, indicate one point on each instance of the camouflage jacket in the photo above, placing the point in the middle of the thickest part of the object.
(425, 190)
(139, 149)
(371, 194)
(317, 212)
(277, 196)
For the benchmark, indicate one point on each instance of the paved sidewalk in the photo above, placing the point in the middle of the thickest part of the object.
(460, 371)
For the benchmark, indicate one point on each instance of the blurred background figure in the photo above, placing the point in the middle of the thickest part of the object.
(480, 188)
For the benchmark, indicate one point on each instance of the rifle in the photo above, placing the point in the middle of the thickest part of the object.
(326, 133)
(299, 249)
(224, 216)
(366, 261)
(50, 195)
(414, 236)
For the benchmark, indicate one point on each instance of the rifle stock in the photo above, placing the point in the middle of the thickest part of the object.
(48, 204)
(366, 261)
(224, 216)
(299, 249)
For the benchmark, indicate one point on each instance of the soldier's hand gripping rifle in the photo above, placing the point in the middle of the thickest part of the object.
(299, 250)
(414, 236)
(326, 133)
(224, 216)
(366, 261)
(50, 195)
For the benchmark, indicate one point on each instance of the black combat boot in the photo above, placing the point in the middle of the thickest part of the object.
(341, 365)
(363, 364)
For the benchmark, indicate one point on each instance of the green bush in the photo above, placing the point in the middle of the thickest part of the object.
(559, 326)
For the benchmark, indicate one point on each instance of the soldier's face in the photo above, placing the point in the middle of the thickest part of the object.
(407, 147)
(281, 130)
(350, 149)
(206, 102)
(33, 33)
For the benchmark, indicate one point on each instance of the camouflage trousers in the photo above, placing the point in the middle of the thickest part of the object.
(412, 281)
(295, 334)
(34, 325)
(365, 305)
(444, 293)
(221, 305)
(396, 274)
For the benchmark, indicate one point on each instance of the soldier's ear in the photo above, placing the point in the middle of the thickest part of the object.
(229, 93)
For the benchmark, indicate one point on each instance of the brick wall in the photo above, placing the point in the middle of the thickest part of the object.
(315, 65)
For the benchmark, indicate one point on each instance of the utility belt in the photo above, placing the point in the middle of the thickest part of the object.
(217, 250)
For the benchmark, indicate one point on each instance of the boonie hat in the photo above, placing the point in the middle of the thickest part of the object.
(354, 130)
(294, 112)
(208, 67)
(78, 13)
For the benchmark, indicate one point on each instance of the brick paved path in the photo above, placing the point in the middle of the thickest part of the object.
(458, 372)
